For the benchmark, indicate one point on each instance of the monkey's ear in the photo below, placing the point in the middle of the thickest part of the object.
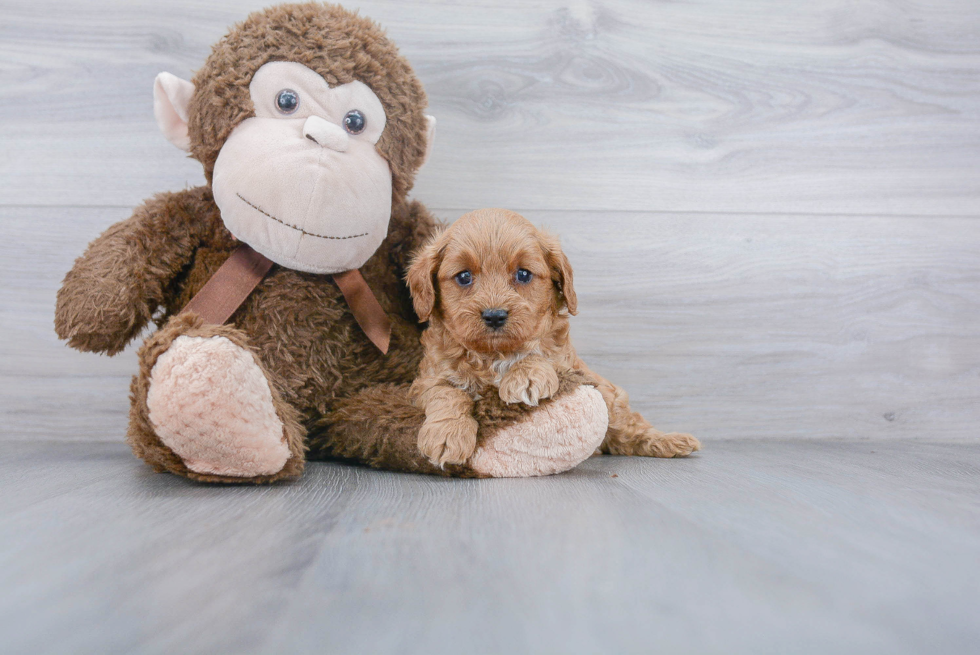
(171, 99)
(430, 136)
(561, 272)
(421, 278)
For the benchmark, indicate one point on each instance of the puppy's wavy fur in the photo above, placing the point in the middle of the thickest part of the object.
(468, 356)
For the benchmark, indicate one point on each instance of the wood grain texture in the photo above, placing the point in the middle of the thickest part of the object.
(761, 106)
(749, 547)
(728, 327)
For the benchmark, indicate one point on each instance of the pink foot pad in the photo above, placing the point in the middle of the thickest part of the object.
(211, 404)
(556, 437)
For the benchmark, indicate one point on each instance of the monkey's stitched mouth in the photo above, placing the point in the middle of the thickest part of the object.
(296, 227)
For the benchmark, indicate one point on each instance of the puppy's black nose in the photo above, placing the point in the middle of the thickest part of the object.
(494, 318)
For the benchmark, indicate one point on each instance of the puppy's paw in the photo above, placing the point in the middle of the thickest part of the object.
(448, 441)
(528, 385)
(659, 444)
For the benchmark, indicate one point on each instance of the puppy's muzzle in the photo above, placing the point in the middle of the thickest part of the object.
(494, 318)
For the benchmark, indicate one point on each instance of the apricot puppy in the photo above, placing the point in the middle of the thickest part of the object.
(497, 293)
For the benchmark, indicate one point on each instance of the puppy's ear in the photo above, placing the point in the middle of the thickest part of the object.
(561, 272)
(421, 278)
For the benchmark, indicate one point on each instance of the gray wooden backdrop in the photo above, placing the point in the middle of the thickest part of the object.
(772, 207)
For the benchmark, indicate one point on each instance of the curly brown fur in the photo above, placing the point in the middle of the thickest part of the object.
(297, 325)
(114, 288)
(464, 356)
(468, 356)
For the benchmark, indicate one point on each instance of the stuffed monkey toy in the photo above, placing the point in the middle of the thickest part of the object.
(284, 328)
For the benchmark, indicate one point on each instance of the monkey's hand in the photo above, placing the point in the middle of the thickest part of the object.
(528, 381)
(98, 312)
(113, 289)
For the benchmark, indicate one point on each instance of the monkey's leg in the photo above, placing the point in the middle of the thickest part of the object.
(629, 433)
(379, 427)
(204, 407)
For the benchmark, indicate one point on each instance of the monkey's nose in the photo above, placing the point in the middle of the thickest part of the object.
(494, 318)
(325, 134)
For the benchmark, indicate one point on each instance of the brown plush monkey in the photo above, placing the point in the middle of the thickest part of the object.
(310, 128)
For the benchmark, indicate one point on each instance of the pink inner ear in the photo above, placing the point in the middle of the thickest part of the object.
(430, 137)
(171, 100)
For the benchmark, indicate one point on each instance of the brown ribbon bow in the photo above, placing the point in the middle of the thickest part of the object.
(232, 283)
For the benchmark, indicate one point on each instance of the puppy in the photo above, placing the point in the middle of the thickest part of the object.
(497, 293)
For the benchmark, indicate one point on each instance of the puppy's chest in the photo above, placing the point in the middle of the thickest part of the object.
(475, 377)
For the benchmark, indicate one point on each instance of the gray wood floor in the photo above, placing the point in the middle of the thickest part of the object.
(751, 547)
(773, 212)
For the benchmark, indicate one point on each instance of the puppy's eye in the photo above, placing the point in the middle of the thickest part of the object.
(464, 279)
(287, 101)
(523, 275)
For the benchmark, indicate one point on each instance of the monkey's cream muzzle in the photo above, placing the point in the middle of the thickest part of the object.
(307, 187)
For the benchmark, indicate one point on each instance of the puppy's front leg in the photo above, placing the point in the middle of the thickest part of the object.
(448, 435)
(528, 381)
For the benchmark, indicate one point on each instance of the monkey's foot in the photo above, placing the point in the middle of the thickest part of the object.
(212, 405)
(553, 438)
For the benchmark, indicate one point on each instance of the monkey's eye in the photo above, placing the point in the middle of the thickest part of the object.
(522, 275)
(464, 279)
(354, 122)
(287, 101)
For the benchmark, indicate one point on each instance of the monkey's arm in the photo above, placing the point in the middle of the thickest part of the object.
(411, 226)
(113, 289)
